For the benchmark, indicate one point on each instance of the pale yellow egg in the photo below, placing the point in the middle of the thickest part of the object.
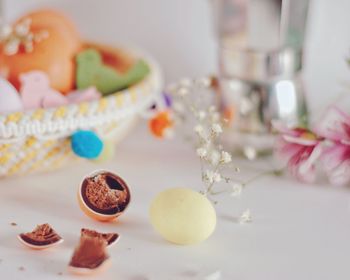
(183, 216)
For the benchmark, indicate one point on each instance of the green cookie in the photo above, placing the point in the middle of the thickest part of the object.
(92, 72)
(135, 74)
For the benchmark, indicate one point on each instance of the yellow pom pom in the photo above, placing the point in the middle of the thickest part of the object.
(107, 152)
(183, 216)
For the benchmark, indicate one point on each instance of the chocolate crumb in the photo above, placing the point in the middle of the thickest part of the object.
(21, 268)
(60, 273)
(90, 253)
(105, 192)
(42, 235)
(13, 224)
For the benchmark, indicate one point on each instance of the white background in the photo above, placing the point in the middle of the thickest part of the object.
(178, 33)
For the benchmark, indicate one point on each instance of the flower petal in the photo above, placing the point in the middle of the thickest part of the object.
(301, 168)
(306, 165)
(333, 156)
(336, 163)
(341, 174)
(335, 125)
(300, 140)
(302, 175)
(283, 129)
(285, 150)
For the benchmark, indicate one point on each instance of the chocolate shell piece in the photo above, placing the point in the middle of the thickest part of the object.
(42, 237)
(104, 196)
(90, 256)
(110, 238)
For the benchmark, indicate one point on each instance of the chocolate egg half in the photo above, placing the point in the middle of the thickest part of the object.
(103, 196)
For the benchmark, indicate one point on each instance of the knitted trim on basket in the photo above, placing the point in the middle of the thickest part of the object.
(62, 121)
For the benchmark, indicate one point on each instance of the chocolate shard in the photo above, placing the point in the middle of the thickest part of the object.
(110, 238)
(90, 253)
(42, 236)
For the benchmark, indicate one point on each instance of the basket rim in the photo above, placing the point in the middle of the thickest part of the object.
(12, 129)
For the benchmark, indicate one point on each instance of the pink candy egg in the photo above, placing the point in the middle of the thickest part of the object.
(36, 91)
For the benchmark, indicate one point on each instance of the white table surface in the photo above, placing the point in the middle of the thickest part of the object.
(299, 231)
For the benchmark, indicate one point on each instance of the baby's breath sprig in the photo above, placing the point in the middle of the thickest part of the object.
(197, 98)
(193, 107)
(13, 37)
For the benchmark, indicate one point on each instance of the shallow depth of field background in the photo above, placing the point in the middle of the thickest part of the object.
(179, 35)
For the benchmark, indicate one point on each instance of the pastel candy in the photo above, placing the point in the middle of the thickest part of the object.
(182, 216)
(83, 95)
(135, 74)
(92, 72)
(33, 87)
(54, 99)
(9, 98)
(36, 91)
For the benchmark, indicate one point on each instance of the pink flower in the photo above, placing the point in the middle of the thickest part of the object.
(335, 127)
(300, 148)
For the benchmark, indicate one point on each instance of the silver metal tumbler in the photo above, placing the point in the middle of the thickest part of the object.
(260, 45)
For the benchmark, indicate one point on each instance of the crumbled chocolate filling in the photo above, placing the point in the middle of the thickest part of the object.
(108, 237)
(90, 253)
(42, 235)
(104, 192)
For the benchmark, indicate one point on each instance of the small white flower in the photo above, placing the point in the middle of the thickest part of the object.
(12, 47)
(202, 152)
(178, 107)
(214, 157)
(186, 82)
(5, 31)
(201, 115)
(211, 176)
(212, 109)
(236, 190)
(215, 117)
(216, 128)
(23, 28)
(225, 157)
(217, 177)
(183, 91)
(198, 129)
(204, 82)
(246, 217)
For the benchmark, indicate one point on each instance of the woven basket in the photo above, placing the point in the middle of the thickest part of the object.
(39, 140)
